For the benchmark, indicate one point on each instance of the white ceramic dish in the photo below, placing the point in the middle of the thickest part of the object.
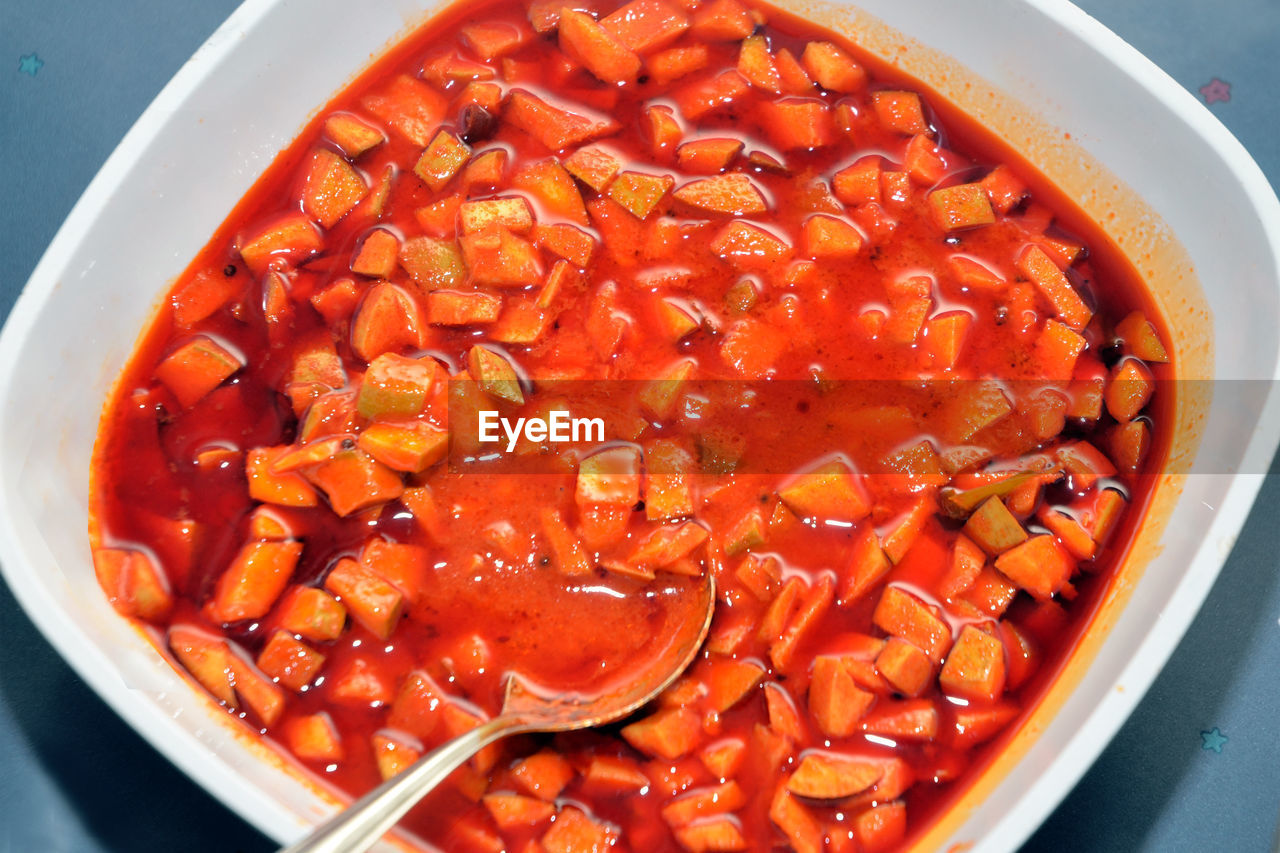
(248, 90)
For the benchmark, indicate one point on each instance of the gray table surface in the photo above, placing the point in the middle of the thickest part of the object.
(1197, 766)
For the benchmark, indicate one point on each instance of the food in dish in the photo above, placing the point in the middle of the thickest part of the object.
(846, 352)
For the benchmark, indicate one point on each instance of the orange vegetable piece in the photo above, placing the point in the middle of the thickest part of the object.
(798, 123)
(312, 613)
(377, 254)
(706, 156)
(994, 528)
(975, 667)
(331, 188)
(253, 581)
(961, 206)
(387, 320)
(832, 68)
(392, 755)
(671, 733)
(904, 666)
(496, 256)
(285, 241)
(554, 127)
(603, 54)
(133, 583)
(197, 367)
(352, 480)
(408, 106)
(543, 774)
(314, 738)
(976, 724)
(900, 111)
(646, 25)
(722, 20)
(441, 160)
(830, 776)
(835, 699)
(574, 832)
(352, 134)
(709, 94)
(511, 213)
(733, 193)
(712, 834)
(866, 568)
(290, 662)
(1140, 338)
(1053, 284)
(902, 614)
(882, 827)
(1129, 388)
(1040, 566)
(371, 599)
(797, 823)
(550, 183)
(462, 308)
(669, 65)
(824, 236)
(1129, 443)
(607, 774)
(512, 811)
(830, 491)
(703, 802)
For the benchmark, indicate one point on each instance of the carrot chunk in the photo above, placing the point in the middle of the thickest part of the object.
(798, 123)
(1039, 565)
(1053, 284)
(900, 111)
(825, 236)
(882, 827)
(710, 94)
(994, 528)
(797, 823)
(722, 20)
(331, 188)
(669, 65)
(388, 320)
(543, 774)
(832, 68)
(352, 480)
(712, 834)
(253, 581)
(867, 567)
(830, 491)
(285, 241)
(835, 700)
(409, 106)
(672, 733)
(512, 811)
(290, 662)
(312, 613)
(975, 667)
(830, 776)
(196, 368)
(902, 614)
(314, 737)
(554, 127)
(1140, 338)
(706, 156)
(1129, 388)
(371, 599)
(468, 308)
(352, 134)
(733, 193)
(961, 206)
(703, 802)
(640, 193)
(646, 25)
(133, 583)
(574, 832)
(496, 256)
(904, 666)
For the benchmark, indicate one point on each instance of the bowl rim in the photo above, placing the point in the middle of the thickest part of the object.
(239, 793)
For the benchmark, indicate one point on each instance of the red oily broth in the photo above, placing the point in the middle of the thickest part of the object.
(826, 593)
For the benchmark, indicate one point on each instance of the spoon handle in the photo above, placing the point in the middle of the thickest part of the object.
(360, 825)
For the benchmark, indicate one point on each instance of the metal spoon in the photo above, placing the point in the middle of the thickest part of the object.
(357, 827)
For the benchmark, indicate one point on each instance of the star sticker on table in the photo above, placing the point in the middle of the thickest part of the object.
(1216, 90)
(30, 64)
(1213, 739)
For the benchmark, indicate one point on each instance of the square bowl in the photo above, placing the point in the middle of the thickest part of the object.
(1088, 109)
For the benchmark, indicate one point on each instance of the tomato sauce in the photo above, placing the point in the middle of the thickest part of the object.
(852, 356)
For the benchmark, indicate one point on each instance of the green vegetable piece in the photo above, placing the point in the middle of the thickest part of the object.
(994, 528)
(959, 503)
(433, 264)
(495, 375)
(396, 386)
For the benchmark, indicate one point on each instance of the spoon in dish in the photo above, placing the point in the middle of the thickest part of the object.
(524, 711)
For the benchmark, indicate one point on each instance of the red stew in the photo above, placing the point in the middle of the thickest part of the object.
(848, 354)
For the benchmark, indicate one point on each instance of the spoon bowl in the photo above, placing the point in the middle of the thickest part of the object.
(526, 708)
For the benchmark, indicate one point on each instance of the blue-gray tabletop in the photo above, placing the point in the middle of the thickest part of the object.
(1197, 766)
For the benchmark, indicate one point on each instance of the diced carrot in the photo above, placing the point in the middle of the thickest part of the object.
(522, 322)
(551, 185)
(337, 301)
(797, 823)
(1129, 388)
(994, 528)
(372, 601)
(882, 827)
(513, 811)
(133, 583)
(830, 776)
(572, 244)
(1070, 532)
(812, 607)
(459, 308)
(397, 386)
(752, 349)
(1057, 349)
(543, 774)
(724, 757)
(672, 733)
(975, 667)
(409, 106)
(491, 40)
(698, 98)
(387, 320)
(352, 480)
(352, 134)
(1084, 463)
(1140, 338)
(704, 802)
(286, 240)
(900, 111)
(1053, 284)
(832, 68)
(967, 559)
(904, 666)
(442, 160)
(418, 706)
(511, 213)
(711, 834)
(392, 755)
(667, 489)
(314, 737)
(290, 662)
(496, 256)
(646, 25)
(197, 367)
(494, 374)
(830, 491)
(377, 254)
(207, 658)
(594, 166)
(906, 720)
(312, 613)
(823, 236)
(403, 565)
(1039, 565)
(798, 123)
(977, 724)
(253, 581)
(553, 127)
(836, 702)
(567, 551)
(574, 832)
(603, 54)
(792, 75)
(612, 775)
(203, 295)
(923, 163)
(672, 64)
(866, 568)
(1004, 188)
(746, 533)
(902, 614)
(733, 193)
(908, 529)
(331, 188)
(706, 156)
(256, 691)
(640, 193)
(1128, 443)
(755, 63)
(961, 206)
(722, 20)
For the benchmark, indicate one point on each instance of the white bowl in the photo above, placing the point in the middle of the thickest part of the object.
(1076, 100)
